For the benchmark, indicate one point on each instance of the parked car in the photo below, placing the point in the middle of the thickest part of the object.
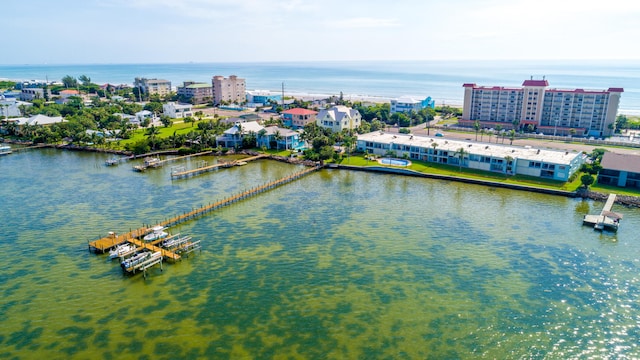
(439, 134)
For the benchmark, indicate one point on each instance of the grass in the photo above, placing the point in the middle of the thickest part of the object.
(455, 171)
(164, 132)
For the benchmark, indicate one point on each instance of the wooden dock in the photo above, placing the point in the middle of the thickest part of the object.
(204, 169)
(606, 219)
(112, 240)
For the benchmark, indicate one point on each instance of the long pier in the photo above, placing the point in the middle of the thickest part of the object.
(112, 240)
(606, 219)
(204, 169)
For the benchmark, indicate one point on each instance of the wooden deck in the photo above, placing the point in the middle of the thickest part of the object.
(113, 239)
(606, 219)
(200, 170)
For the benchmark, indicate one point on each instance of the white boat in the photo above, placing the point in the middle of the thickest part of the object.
(157, 232)
(120, 250)
(151, 162)
(5, 150)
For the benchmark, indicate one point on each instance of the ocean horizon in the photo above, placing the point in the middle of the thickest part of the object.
(369, 80)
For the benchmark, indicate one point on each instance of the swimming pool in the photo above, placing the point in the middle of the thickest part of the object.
(394, 162)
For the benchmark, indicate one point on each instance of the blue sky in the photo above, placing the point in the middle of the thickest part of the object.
(161, 31)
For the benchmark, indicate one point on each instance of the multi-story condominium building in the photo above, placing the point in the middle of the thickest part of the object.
(338, 118)
(512, 160)
(153, 86)
(195, 93)
(297, 118)
(28, 94)
(550, 111)
(229, 90)
(406, 104)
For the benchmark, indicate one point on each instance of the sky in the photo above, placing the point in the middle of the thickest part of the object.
(170, 31)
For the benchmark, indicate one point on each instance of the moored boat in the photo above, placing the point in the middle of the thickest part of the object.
(157, 232)
(5, 150)
(134, 260)
(120, 250)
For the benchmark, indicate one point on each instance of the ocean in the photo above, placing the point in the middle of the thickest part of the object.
(442, 80)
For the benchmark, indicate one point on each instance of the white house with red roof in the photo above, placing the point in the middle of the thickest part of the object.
(297, 118)
(550, 111)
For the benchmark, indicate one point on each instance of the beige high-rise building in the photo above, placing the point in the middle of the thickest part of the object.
(230, 90)
(550, 111)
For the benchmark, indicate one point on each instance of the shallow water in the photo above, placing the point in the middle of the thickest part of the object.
(337, 264)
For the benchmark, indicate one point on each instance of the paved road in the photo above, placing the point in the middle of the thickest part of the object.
(536, 143)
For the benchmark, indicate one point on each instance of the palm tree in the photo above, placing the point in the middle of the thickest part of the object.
(508, 164)
(512, 136)
(434, 145)
(482, 132)
(461, 153)
(476, 127)
(498, 129)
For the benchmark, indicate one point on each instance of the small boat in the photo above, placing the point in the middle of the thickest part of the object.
(157, 232)
(241, 163)
(151, 162)
(111, 162)
(120, 250)
(5, 150)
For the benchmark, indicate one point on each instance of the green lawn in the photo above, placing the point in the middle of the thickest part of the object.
(448, 170)
(179, 128)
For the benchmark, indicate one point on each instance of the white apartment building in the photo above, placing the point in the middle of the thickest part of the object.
(550, 111)
(338, 118)
(230, 90)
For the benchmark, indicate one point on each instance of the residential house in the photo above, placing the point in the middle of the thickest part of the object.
(144, 115)
(229, 90)
(177, 111)
(32, 93)
(297, 118)
(549, 111)
(131, 119)
(507, 159)
(621, 170)
(39, 119)
(10, 107)
(273, 137)
(195, 93)
(261, 97)
(232, 137)
(406, 104)
(338, 118)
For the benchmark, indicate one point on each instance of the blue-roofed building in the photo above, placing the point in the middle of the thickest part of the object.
(406, 104)
(262, 97)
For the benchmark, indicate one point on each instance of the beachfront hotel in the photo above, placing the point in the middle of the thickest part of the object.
(550, 111)
(195, 92)
(230, 90)
(506, 159)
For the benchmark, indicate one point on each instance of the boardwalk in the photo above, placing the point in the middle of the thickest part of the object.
(200, 170)
(113, 240)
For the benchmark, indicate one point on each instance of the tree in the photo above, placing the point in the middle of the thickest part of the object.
(86, 81)
(498, 130)
(512, 136)
(69, 82)
(434, 145)
(586, 180)
(460, 153)
(476, 127)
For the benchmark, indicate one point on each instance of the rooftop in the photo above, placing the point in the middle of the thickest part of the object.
(620, 162)
(477, 148)
(300, 111)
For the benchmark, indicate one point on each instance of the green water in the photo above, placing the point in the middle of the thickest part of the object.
(339, 265)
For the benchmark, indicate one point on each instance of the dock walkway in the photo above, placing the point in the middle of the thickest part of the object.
(112, 240)
(606, 219)
(201, 170)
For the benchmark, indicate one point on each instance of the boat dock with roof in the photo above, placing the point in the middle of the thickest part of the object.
(607, 219)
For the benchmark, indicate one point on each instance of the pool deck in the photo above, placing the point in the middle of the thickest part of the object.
(404, 162)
